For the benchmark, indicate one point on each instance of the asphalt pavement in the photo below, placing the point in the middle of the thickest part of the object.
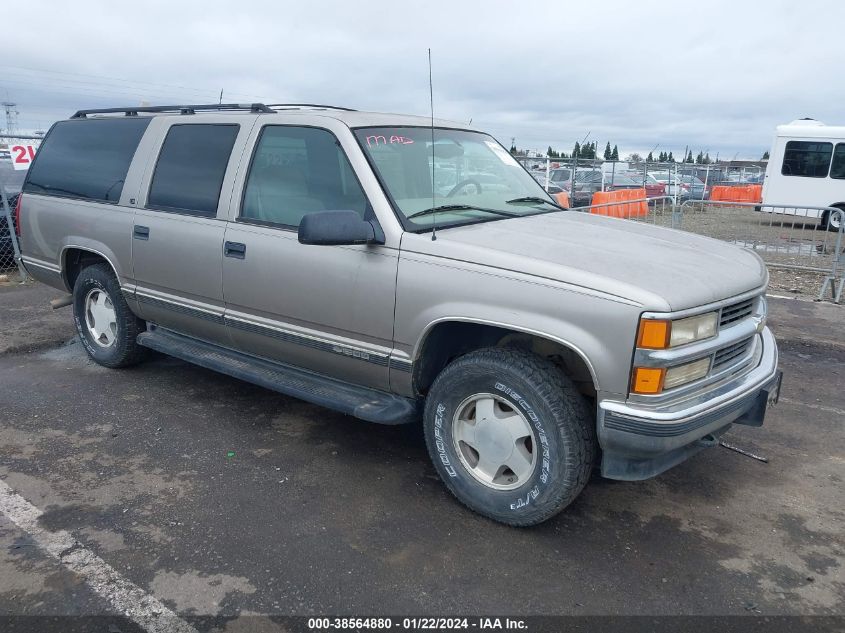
(215, 497)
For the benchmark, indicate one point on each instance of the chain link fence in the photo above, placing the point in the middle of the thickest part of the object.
(809, 242)
(800, 245)
(807, 239)
(16, 153)
(680, 181)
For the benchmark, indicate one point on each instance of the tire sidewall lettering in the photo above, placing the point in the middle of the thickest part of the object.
(440, 442)
(545, 463)
(517, 501)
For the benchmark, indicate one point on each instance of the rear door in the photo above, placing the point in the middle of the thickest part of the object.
(179, 225)
(324, 308)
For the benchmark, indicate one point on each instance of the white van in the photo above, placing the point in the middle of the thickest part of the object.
(807, 169)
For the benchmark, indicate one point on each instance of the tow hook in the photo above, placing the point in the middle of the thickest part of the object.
(707, 441)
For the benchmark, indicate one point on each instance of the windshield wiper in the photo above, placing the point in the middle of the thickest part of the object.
(533, 199)
(460, 207)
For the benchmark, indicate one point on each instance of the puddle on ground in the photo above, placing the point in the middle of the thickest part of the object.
(71, 351)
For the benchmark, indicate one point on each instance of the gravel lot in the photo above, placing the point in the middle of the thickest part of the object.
(215, 497)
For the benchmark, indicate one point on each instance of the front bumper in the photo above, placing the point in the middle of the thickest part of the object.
(638, 442)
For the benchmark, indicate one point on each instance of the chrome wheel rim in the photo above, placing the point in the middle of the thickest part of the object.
(100, 318)
(494, 441)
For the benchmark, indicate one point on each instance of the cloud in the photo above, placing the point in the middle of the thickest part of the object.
(716, 76)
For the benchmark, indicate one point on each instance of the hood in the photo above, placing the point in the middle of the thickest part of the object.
(658, 268)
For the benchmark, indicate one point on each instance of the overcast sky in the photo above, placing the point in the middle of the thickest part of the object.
(712, 75)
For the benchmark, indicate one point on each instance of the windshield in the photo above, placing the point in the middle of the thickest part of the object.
(475, 178)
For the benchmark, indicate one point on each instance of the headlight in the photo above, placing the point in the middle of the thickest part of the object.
(693, 329)
(661, 333)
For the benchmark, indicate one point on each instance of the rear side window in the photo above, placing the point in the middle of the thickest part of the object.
(190, 169)
(837, 167)
(806, 158)
(86, 158)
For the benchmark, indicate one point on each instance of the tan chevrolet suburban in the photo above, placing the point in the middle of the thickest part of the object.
(401, 271)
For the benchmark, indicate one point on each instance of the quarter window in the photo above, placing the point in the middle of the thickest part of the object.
(296, 171)
(86, 158)
(837, 167)
(806, 158)
(190, 169)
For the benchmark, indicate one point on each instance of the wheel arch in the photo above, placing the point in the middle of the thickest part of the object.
(446, 339)
(74, 258)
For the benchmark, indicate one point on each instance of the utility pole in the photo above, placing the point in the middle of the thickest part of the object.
(11, 117)
(574, 170)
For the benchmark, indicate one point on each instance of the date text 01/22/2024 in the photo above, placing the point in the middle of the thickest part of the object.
(416, 624)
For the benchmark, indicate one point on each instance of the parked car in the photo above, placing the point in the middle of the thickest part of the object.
(653, 189)
(688, 187)
(552, 188)
(296, 249)
(614, 182)
(587, 182)
(10, 181)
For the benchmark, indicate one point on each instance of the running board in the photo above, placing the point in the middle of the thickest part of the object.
(363, 403)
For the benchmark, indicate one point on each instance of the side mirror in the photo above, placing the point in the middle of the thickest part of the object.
(333, 228)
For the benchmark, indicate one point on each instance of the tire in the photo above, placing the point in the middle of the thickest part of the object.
(117, 346)
(562, 444)
(830, 224)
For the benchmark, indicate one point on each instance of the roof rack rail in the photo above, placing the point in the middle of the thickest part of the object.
(309, 105)
(181, 109)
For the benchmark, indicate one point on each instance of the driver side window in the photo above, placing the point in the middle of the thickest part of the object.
(296, 171)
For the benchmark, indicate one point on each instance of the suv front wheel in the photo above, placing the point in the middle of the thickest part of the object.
(106, 325)
(509, 435)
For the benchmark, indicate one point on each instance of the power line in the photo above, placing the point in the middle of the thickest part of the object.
(65, 74)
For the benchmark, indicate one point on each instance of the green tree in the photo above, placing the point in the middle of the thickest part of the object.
(700, 158)
(576, 151)
(614, 155)
(707, 158)
(513, 149)
(607, 151)
(670, 158)
(689, 158)
(765, 156)
(649, 158)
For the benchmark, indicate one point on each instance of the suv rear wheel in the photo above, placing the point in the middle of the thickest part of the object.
(509, 435)
(106, 325)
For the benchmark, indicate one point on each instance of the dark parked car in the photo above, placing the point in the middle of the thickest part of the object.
(10, 181)
(587, 182)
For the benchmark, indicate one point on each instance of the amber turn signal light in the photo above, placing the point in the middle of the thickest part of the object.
(648, 380)
(654, 334)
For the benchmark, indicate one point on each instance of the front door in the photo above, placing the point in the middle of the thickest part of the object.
(324, 308)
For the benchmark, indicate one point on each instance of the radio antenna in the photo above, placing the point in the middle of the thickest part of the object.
(431, 109)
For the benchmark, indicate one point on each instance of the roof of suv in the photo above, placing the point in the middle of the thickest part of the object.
(352, 118)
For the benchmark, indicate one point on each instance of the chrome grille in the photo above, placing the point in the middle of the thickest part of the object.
(736, 312)
(731, 353)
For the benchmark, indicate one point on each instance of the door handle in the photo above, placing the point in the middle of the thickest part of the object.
(141, 232)
(234, 249)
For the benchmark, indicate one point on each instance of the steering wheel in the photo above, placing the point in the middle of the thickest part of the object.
(464, 183)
